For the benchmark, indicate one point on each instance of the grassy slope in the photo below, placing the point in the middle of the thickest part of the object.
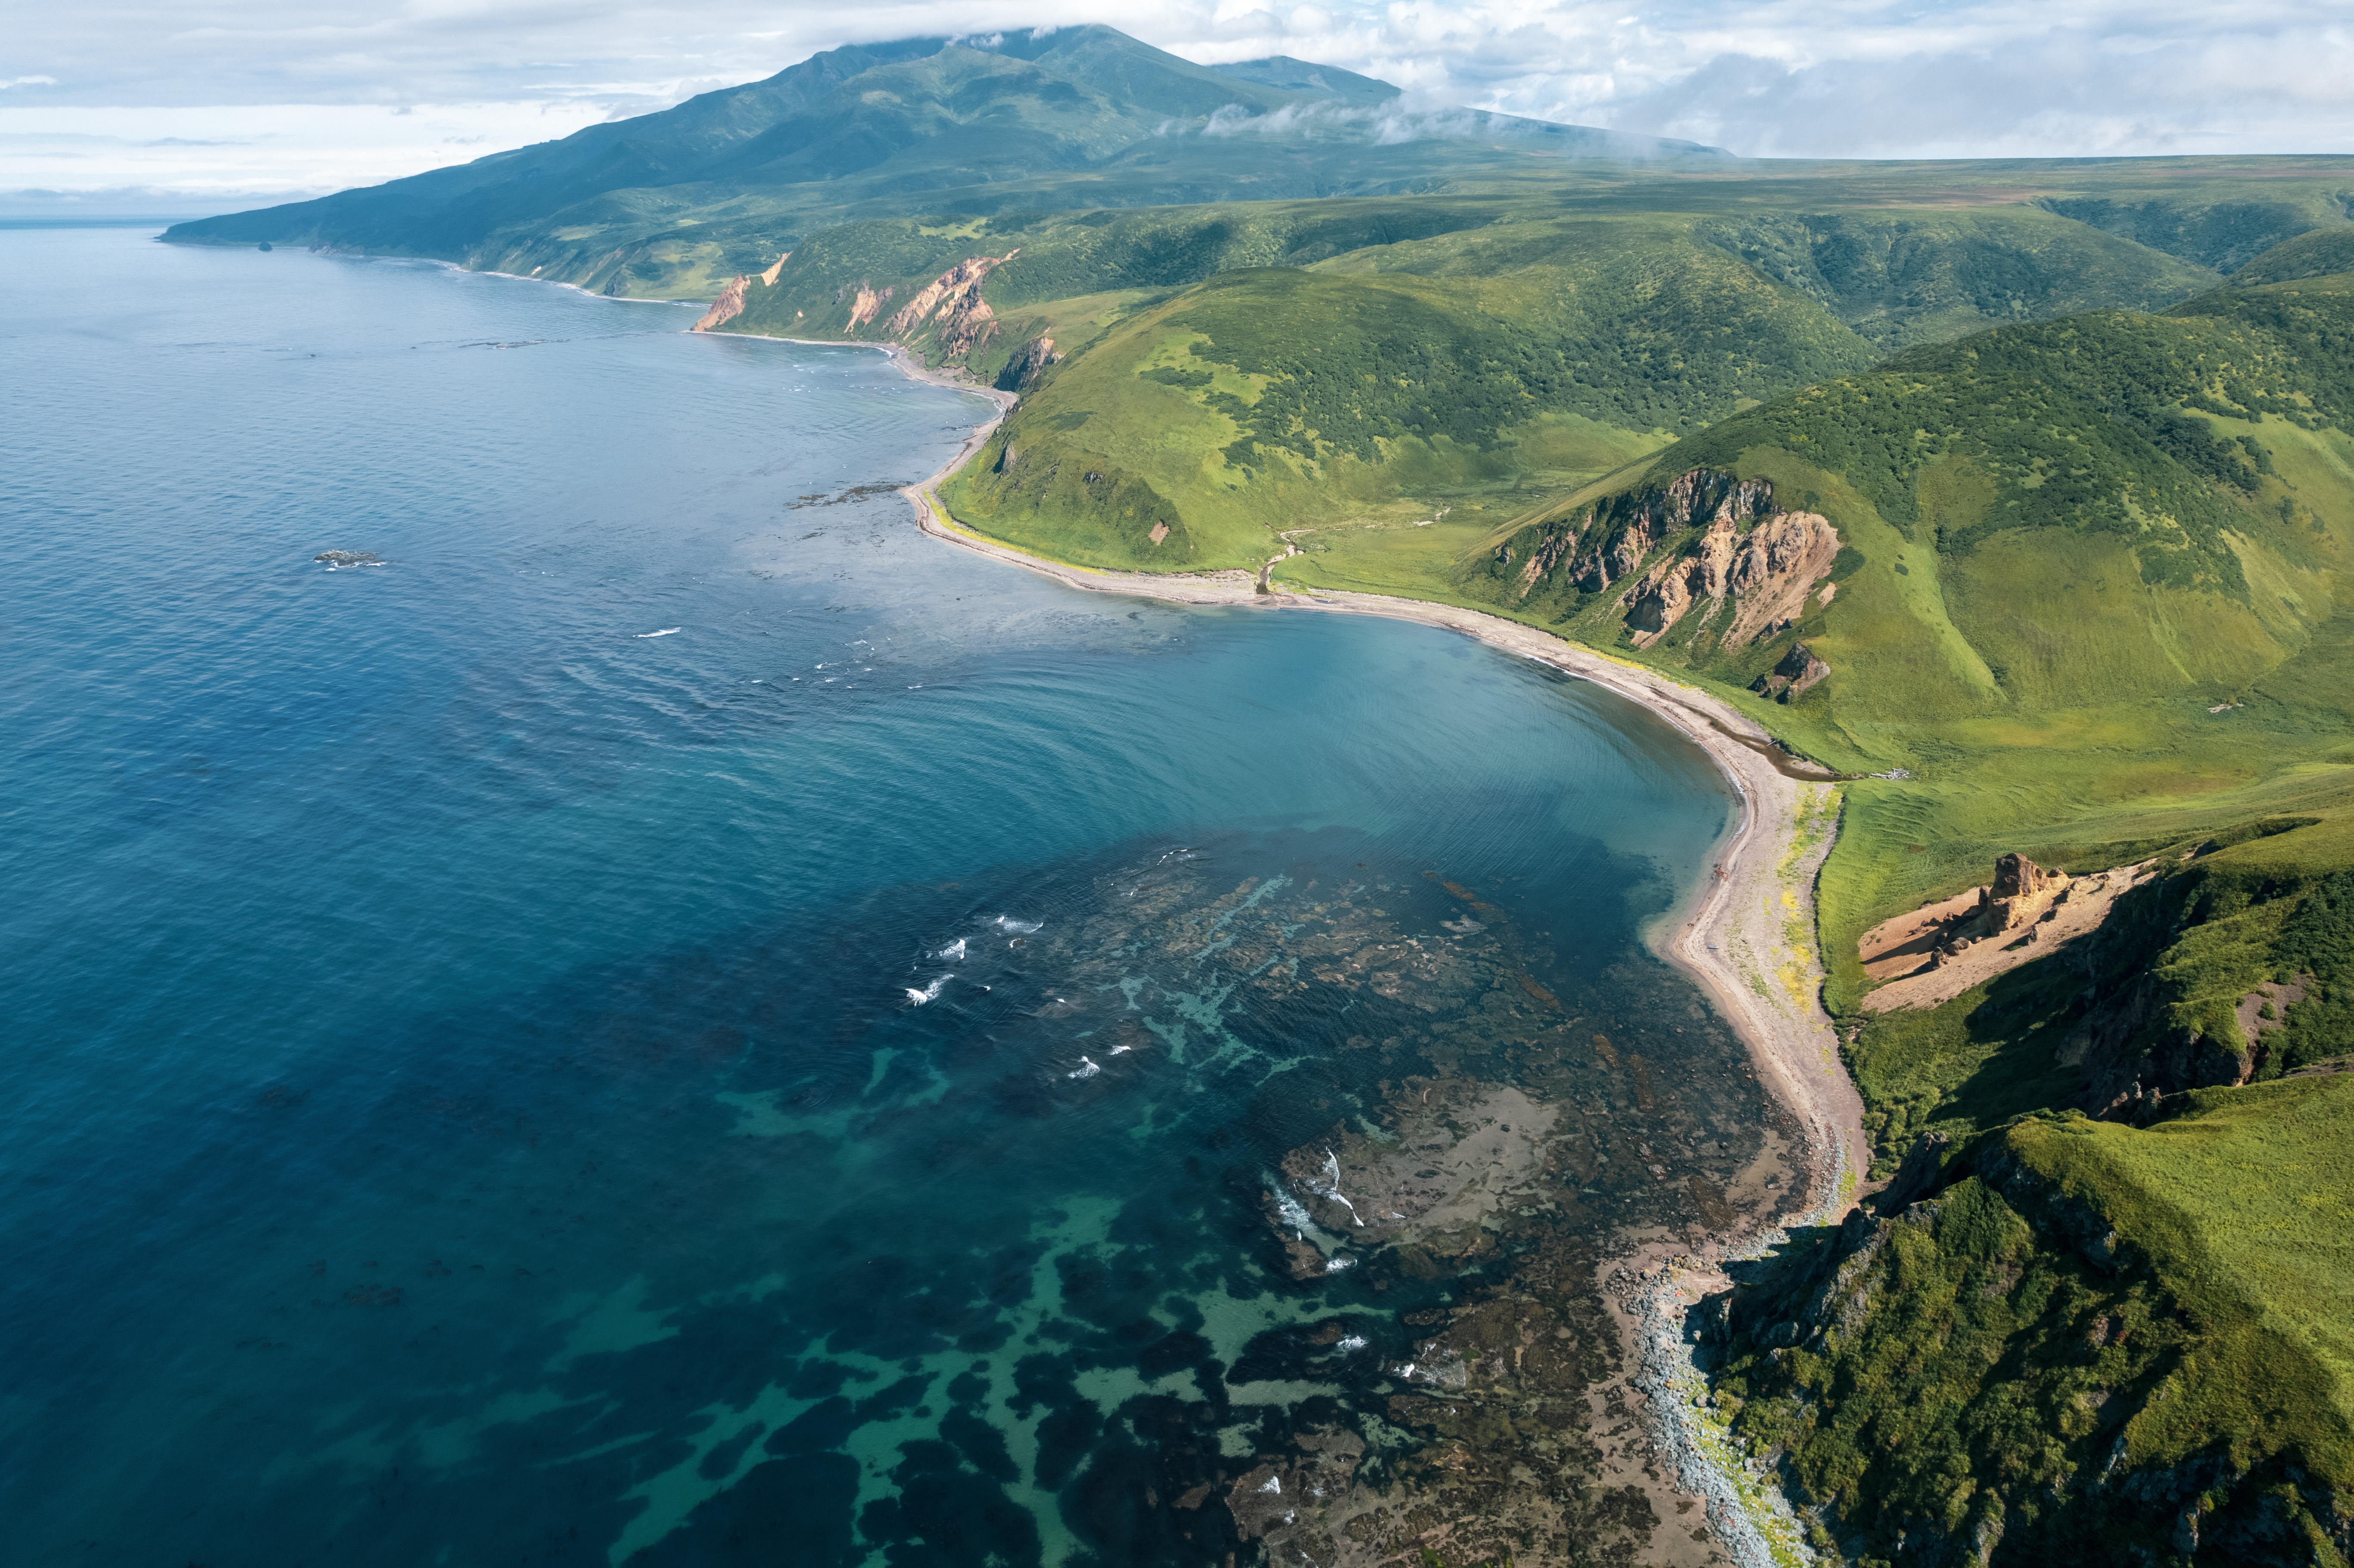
(2046, 665)
(2048, 603)
(1388, 357)
(2115, 1344)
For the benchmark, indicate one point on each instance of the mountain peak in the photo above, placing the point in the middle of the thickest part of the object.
(1035, 119)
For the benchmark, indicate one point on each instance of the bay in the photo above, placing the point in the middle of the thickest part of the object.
(648, 1007)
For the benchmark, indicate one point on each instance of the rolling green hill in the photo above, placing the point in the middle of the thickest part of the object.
(1373, 361)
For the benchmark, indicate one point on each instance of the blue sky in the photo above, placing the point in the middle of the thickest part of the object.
(172, 105)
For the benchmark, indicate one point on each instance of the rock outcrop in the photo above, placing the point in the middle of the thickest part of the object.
(727, 306)
(1767, 569)
(1029, 363)
(1726, 547)
(2019, 895)
(1790, 679)
(964, 321)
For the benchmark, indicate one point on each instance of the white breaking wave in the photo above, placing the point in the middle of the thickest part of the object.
(917, 997)
(1019, 927)
(952, 952)
(1353, 1342)
(1331, 1187)
(665, 632)
(1085, 1069)
(1335, 1265)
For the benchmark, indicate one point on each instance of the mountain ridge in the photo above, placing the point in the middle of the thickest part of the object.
(1074, 117)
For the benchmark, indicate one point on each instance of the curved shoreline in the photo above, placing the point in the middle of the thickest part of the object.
(1730, 935)
(1731, 921)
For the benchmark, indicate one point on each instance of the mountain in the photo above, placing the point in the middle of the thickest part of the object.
(668, 203)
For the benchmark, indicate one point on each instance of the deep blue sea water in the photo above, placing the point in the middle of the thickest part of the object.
(464, 1093)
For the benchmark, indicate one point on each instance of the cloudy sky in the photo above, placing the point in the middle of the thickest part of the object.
(168, 106)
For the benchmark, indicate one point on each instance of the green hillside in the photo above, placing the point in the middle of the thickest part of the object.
(1371, 361)
(2089, 594)
(2101, 1343)
(2070, 541)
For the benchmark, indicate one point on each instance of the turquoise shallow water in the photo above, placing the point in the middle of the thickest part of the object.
(465, 1095)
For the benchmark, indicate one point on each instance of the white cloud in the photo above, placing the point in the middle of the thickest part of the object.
(215, 156)
(1790, 78)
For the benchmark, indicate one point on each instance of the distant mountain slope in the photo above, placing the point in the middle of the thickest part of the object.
(1306, 75)
(1075, 117)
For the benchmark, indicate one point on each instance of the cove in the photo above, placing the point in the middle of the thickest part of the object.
(662, 1015)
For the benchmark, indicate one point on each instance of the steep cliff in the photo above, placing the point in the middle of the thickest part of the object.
(2025, 1367)
(1028, 363)
(964, 322)
(1707, 560)
(726, 307)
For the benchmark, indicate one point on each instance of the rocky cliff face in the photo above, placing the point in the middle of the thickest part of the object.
(1706, 542)
(963, 320)
(1766, 571)
(726, 307)
(1029, 363)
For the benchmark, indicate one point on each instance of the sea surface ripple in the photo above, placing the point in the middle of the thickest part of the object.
(463, 1096)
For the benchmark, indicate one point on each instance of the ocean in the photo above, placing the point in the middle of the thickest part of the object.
(577, 991)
